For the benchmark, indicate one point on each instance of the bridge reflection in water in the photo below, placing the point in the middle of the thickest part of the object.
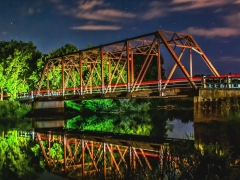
(97, 156)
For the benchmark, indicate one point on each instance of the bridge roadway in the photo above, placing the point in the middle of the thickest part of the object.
(174, 88)
(179, 87)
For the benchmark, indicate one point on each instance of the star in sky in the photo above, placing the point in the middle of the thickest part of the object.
(51, 24)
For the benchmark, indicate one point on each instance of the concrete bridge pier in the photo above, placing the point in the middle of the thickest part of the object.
(213, 104)
(48, 107)
(208, 110)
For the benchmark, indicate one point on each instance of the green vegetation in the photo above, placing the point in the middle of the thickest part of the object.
(17, 159)
(145, 124)
(21, 66)
(17, 61)
(202, 161)
(12, 115)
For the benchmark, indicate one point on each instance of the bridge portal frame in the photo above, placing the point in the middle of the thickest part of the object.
(86, 68)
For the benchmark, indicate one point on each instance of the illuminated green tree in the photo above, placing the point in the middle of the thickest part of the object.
(2, 81)
(17, 61)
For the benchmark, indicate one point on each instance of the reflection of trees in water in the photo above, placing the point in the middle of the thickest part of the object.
(153, 123)
(20, 157)
(139, 124)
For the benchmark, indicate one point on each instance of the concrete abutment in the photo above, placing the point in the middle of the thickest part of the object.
(215, 104)
(48, 107)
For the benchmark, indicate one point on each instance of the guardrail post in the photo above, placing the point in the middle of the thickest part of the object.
(228, 82)
(204, 82)
(32, 95)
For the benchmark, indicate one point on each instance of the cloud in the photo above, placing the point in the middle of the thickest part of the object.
(30, 11)
(94, 10)
(237, 2)
(218, 10)
(4, 33)
(89, 5)
(183, 5)
(213, 32)
(233, 20)
(96, 27)
(231, 29)
(230, 59)
(55, 1)
(98, 10)
(104, 15)
(157, 10)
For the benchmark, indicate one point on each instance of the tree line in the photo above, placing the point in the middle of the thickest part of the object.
(21, 65)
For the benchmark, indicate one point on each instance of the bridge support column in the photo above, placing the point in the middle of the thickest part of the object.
(47, 107)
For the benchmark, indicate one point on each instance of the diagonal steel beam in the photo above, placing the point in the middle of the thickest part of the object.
(173, 54)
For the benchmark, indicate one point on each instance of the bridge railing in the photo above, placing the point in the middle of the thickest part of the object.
(232, 81)
(225, 81)
(114, 88)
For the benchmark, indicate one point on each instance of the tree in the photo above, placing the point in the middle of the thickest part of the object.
(2, 81)
(151, 74)
(17, 61)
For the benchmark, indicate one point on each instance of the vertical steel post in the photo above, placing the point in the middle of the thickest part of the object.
(63, 83)
(132, 67)
(83, 152)
(102, 71)
(92, 149)
(130, 159)
(190, 63)
(48, 84)
(49, 143)
(109, 75)
(80, 73)
(91, 78)
(134, 161)
(65, 152)
(111, 151)
(104, 162)
(159, 70)
(128, 68)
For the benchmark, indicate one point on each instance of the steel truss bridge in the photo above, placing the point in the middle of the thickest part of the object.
(121, 69)
(83, 156)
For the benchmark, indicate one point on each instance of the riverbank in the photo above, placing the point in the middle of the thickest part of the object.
(12, 115)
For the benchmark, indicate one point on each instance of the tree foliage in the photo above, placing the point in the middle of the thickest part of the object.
(16, 161)
(17, 61)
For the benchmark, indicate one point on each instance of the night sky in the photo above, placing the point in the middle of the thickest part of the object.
(50, 24)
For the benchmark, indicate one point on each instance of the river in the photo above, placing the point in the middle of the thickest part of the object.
(170, 122)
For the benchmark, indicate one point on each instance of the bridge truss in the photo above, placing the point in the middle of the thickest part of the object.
(121, 66)
(77, 156)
